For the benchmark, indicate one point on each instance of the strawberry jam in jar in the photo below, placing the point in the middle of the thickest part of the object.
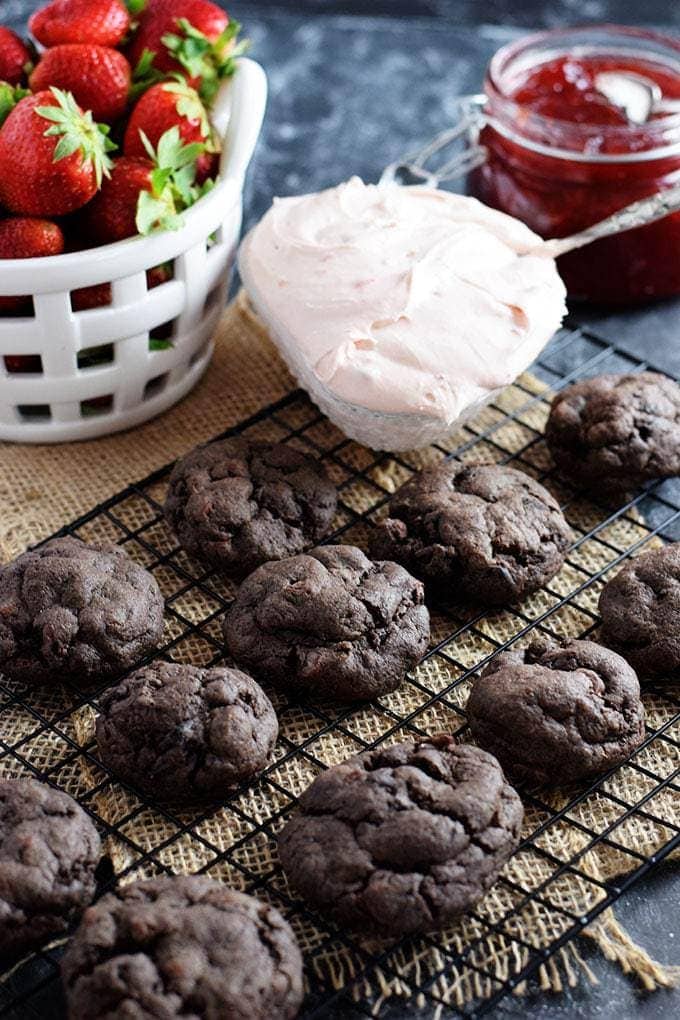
(577, 124)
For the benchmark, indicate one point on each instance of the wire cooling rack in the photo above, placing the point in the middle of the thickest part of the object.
(39, 731)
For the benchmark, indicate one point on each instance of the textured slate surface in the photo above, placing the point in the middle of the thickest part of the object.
(350, 93)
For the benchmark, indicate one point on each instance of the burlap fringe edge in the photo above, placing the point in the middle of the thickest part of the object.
(616, 945)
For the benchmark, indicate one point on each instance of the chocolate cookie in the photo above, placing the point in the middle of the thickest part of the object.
(49, 850)
(402, 839)
(640, 609)
(331, 624)
(185, 733)
(614, 432)
(182, 947)
(238, 504)
(483, 532)
(84, 611)
(554, 714)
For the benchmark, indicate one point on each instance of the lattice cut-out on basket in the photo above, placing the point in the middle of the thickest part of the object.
(127, 348)
(577, 842)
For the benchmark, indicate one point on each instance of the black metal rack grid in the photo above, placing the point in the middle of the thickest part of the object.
(134, 518)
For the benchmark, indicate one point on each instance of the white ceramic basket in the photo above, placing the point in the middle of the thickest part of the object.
(66, 400)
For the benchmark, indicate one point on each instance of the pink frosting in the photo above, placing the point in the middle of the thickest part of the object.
(402, 299)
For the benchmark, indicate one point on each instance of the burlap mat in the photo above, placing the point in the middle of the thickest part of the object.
(42, 487)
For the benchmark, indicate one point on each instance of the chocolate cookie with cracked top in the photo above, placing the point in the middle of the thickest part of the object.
(331, 624)
(640, 609)
(402, 839)
(483, 532)
(181, 733)
(238, 504)
(182, 947)
(612, 433)
(557, 713)
(84, 611)
(49, 850)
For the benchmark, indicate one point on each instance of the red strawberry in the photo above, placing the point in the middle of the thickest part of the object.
(99, 295)
(98, 77)
(15, 57)
(103, 22)
(162, 107)
(52, 155)
(26, 238)
(143, 195)
(22, 363)
(207, 167)
(111, 216)
(96, 296)
(194, 37)
(159, 275)
(22, 237)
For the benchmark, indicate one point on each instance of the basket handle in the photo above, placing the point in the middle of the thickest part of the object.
(246, 95)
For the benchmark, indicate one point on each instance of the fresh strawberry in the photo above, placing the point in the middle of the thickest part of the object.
(207, 167)
(102, 22)
(173, 103)
(26, 238)
(22, 363)
(96, 296)
(9, 97)
(52, 155)
(143, 195)
(98, 77)
(159, 275)
(111, 216)
(100, 294)
(15, 57)
(22, 237)
(194, 37)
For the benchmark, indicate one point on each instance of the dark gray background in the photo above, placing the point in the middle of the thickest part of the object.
(353, 86)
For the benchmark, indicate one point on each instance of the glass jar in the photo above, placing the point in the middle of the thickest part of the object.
(557, 159)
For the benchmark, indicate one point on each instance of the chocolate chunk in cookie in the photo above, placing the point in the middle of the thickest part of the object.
(614, 432)
(82, 611)
(182, 947)
(181, 733)
(49, 850)
(402, 839)
(554, 714)
(331, 624)
(640, 609)
(483, 532)
(237, 504)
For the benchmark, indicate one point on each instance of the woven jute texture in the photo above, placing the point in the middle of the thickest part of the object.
(41, 488)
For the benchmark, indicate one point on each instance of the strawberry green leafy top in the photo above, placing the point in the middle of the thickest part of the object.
(201, 57)
(77, 132)
(144, 75)
(173, 182)
(9, 97)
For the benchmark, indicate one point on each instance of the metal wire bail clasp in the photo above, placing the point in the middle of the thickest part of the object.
(463, 136)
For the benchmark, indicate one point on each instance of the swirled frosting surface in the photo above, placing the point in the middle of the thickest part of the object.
(402, 299)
